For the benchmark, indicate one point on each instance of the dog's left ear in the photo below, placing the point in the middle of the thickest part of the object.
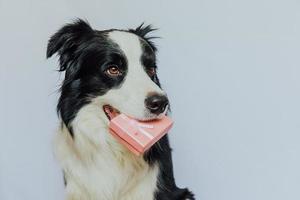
(66, 42)
(143, 31)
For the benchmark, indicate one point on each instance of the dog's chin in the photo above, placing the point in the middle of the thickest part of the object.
(112, 112)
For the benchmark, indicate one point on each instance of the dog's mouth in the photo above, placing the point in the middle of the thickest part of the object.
(110, 111)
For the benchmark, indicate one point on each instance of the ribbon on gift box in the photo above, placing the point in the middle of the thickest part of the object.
(140, 126)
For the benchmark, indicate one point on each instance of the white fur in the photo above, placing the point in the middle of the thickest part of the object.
(96, 166)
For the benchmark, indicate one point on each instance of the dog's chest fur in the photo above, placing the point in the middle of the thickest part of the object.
(103, 169)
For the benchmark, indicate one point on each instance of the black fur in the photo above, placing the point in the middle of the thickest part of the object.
(143, 32)
(84, 54)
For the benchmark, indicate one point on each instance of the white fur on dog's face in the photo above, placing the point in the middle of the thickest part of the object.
(130, 97)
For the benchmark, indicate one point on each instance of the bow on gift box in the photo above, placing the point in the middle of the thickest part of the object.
(139, 127)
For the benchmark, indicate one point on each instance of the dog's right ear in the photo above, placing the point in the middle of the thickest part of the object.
(66, 41)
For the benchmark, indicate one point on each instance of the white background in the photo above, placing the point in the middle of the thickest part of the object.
(230, 67)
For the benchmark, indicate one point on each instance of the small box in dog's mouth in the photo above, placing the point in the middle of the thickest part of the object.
(139, 136)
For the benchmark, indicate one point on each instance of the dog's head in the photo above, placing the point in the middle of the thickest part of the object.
(115, 68)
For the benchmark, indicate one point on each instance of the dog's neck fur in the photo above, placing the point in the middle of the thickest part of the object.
(96, 166)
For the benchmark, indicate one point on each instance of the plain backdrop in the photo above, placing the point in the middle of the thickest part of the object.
(231, 69)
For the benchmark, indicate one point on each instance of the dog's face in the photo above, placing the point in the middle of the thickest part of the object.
(115, 68)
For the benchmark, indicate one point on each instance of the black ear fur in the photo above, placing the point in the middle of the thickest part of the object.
(143, 32)
(66, 41)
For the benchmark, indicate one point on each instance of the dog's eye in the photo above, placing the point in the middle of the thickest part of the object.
(113, 71)
(151, 71)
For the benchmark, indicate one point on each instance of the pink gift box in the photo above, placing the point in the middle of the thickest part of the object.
(139, 136)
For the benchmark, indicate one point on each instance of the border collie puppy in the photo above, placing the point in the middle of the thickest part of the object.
(110, 71)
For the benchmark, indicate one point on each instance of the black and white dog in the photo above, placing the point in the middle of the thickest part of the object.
(109, 72)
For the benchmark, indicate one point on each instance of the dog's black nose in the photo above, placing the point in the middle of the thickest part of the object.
(156, 103)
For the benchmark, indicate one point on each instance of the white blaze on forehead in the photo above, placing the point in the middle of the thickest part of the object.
(129, 43)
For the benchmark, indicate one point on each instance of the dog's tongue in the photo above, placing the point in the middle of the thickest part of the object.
(111, 112)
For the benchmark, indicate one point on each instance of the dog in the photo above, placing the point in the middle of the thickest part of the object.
(109, 72)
